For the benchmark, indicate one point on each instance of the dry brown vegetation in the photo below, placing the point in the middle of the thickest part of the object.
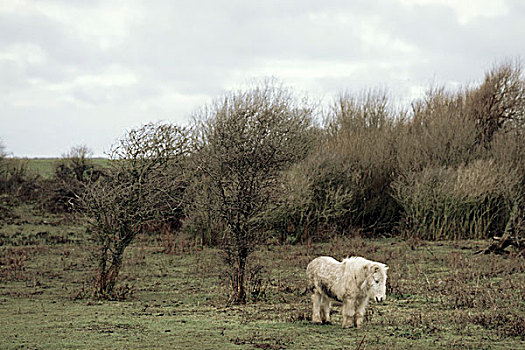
(141, 190)
(255, 167)
(450, 167)
(439, 295)
(243, 142)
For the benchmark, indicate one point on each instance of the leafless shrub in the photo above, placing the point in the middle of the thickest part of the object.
(244, 141)
(143, 187)
(13, 262)
(499, 102)
(3, 153)
(16, 181)
(72, 173)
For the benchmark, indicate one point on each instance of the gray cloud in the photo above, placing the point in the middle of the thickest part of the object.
(83, 72)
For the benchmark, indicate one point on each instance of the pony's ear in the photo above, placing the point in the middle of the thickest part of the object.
(376, 268)
(386, 268)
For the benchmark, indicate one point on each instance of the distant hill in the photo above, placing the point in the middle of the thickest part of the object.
(45, 166)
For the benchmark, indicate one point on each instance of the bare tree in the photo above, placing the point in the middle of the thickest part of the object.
(499, 101)
(244, 140)
(143, 186)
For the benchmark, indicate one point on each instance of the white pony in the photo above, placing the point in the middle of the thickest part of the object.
(353, 282)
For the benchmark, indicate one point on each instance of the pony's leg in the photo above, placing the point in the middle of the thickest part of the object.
(325, 309)
(316, 307)
(348, 312)
(360, 312)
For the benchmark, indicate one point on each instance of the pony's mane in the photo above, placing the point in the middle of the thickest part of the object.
(356, 263)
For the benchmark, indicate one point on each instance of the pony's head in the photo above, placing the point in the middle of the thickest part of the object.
(376, 280)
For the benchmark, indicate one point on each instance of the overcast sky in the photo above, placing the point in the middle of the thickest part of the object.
(84, 71)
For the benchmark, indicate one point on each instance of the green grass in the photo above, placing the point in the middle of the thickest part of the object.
(45, 167)
(440, 295)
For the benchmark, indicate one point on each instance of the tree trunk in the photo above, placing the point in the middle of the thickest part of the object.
(107, 275)
(112, 276)
(107, 278)
(239, 290)
(100, 283)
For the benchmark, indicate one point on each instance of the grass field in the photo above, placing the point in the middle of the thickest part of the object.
(45, 167)
(439, 295)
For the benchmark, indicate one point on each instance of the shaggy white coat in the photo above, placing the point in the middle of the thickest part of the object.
(353, 282)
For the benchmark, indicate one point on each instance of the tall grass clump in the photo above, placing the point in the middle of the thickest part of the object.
(470, 201)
